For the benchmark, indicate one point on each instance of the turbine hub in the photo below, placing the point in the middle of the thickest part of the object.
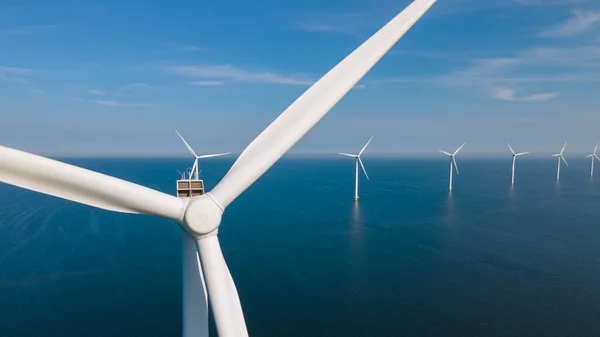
(202, 216)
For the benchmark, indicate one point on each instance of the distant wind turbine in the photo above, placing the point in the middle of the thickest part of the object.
(594, 157)
(515, 155)
(358, 160)
(452, 161)
(194, 173)
(560, 156)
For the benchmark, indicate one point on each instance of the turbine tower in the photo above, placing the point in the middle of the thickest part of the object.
(195, 173)
(358, 160)
(560, 156)
(515, 155)
(594, 157)
(452, 161)
(200, 216)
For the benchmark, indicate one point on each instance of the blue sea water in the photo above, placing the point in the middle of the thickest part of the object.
(408, 260)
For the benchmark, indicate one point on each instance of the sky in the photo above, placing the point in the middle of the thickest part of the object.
(118, 77)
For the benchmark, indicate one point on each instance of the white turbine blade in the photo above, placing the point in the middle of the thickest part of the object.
(194, 296)
(563, 158)
(556, 155)
(309, 108)
(563, 148)
(187, 145)
(73, 183)
(348, 155)
(363, 149)
(597, 157)
(213, 155)
(522, 153)
(590, 155)
(455, 166)
(596, 148)
(223, 296)
(511, 149)
(363, 167)
(455, 152)
(446, 153)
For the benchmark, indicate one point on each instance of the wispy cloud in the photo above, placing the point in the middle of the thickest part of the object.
(15, 74)
(121, 104)
(508, 94)
(579, 22)
(24, 30)
(138, 85)
(206, 83)
(229, 72)
(97, 92)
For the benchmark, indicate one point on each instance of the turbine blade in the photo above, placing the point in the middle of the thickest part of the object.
(597, 157)
(522, 153)
(213, 155)
(187, 145)
(315, 103)
(224, 300)
(454, 154)
(556, 155)
(563, 158)
(195, 301)
(511, 149)
(563, 148)
(363, 167)
(455, 166)
(596, 148)
(363, 149)
(590, 155)
(446, 153)
(349, 155)
(87, 187)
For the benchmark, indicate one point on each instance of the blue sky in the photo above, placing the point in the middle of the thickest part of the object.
(115, 77)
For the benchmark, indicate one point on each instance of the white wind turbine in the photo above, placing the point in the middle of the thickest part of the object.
(594, 157)
(560, 156)
(515, 155)
(358, 160)
(200, 216)
(194, 174)
(452, 161)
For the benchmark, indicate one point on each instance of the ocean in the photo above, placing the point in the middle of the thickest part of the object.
(409, 259)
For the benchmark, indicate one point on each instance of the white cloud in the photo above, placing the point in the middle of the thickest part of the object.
(207, 83)
(508, 94)
(15, 74)
(579, 22)
(232, 73)
(120, 104)
(97, 92)
(24, 30)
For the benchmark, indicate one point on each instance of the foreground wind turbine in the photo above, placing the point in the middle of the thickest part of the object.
(358, 160)
(515, 155)
(594, 157)
(560, 156)
(452, 161)
(200, 216)
(194, 173)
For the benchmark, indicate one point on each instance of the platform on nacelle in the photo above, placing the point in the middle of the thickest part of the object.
(187, 188)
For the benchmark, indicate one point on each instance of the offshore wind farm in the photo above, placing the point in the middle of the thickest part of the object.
(251, 240)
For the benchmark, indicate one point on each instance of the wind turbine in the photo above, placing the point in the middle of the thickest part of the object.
(452, 161)
(560, 156)
(515, 155)
(358, 160)
(195, 172)
(205, 270)
(594, 157)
